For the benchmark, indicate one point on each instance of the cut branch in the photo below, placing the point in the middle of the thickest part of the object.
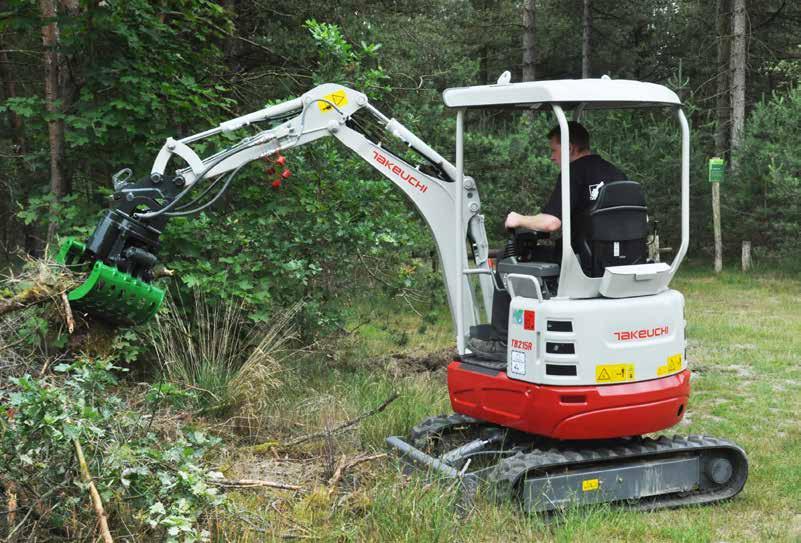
(68, 313)
(345, 465)
(253, 483)
(97, 503)
(26, 298)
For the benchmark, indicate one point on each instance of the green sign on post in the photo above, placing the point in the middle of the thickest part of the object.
(717, 166)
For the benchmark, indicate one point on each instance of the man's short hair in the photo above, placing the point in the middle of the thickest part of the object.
(577, 133)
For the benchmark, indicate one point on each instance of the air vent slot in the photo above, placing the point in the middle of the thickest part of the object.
(560, 326)
(560, 348)
(559, 369)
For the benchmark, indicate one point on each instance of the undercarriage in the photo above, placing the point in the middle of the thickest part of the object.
(549, 475)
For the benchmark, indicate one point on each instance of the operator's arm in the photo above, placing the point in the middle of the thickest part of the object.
(542, 222)
(549, 219)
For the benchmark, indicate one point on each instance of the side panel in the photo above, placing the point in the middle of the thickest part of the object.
(599, 341)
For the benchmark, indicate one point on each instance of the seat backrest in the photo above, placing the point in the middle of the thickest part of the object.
(616, 228)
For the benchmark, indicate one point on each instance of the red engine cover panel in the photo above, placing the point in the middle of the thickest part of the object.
(569, 412)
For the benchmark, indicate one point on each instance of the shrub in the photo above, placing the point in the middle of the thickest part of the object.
(151, 485)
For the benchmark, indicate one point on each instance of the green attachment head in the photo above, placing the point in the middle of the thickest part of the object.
(109, 293)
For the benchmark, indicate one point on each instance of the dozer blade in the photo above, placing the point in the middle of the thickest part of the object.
(108, 293)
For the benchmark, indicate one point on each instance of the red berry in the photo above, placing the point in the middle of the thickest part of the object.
(276, 184)
(286, 174)
(281, 160)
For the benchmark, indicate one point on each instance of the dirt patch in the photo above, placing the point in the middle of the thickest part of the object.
(741, 371)
(795, 528)
(406, 363)
(304, 473)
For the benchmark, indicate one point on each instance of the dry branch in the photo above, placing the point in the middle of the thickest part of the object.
(252, 483)
(96, 501)
(344, 426)
(345, 465)
(26, 298)
(41, 281)
(68, 313)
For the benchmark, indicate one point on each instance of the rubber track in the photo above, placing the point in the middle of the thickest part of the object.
(424, 431)
(510, 471)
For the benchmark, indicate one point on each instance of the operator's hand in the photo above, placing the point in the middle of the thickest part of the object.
(514, 220)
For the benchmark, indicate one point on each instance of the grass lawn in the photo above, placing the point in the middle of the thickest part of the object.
(745, 353)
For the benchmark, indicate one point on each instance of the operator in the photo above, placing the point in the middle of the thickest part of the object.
(588, 173)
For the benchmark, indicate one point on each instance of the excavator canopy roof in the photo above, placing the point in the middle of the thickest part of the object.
(601, 93)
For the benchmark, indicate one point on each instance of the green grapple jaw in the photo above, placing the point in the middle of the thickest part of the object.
(107, 292)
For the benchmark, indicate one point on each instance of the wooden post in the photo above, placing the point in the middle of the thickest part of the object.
(746, 258)
(716, 227)
(716, 171)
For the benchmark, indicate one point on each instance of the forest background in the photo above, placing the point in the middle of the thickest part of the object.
(91, 87)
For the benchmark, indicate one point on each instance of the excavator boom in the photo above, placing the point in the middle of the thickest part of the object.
(121, 253)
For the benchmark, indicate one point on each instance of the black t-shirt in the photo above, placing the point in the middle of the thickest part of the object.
(586, 175)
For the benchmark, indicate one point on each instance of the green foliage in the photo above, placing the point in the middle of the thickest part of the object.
(139, 72)
(170, 394)
(764, 195)
(156, 487)
(515, 171)
(341, 62)
(272, 247)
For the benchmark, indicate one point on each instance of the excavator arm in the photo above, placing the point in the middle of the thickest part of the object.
(122, 250)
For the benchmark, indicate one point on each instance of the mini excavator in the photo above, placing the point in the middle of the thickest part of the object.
(595, 348)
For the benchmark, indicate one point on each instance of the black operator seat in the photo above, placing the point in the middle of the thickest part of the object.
(616, 229)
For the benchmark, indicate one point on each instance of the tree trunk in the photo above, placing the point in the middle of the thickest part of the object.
(585, 42)
(55, 126)
(722, 114)
(746, 256)
(10, 91)
(738, 66)
(529, 57)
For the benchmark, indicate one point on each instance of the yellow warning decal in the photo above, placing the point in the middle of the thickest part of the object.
(338, 98)
(672, 366)
(614, 373)
(590, 484)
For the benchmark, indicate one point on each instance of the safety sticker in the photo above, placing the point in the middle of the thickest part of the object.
(614, 373)
(338, 98)
(518, 362)
(588, 485)
(672, 366)
(518, 316)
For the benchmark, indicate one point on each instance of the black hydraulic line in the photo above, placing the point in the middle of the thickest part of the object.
(211, 202)
(152, 214)
(200, 196)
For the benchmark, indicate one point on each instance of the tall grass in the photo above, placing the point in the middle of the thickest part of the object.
(211, 347)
